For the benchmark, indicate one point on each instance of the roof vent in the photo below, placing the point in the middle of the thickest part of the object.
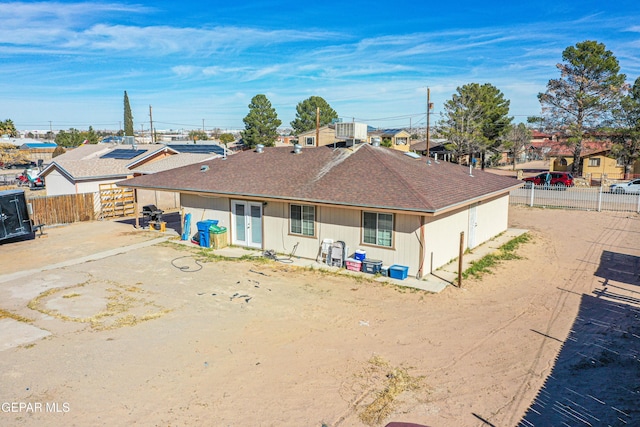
(297, 149)
(204, 168)
(259, 148)
(375, 141)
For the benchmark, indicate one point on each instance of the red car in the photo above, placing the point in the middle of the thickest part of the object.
(555, 180)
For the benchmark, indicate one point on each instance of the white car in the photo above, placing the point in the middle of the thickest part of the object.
(631, 187)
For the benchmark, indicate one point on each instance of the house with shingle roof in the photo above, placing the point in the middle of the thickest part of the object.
(596, 161)
(400, 139)
(92, 168)
(326, 134)
(83, 169)
(396, 207)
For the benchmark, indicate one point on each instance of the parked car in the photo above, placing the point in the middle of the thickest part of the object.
(557, 180)
(631, 187)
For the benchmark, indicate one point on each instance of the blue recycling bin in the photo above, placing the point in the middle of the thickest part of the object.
(203, 231)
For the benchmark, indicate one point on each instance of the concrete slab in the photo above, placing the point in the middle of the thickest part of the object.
(81, 260)
(15, 333)
(435, 282)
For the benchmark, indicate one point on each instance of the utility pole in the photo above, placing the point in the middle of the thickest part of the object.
(317, 126)
(429, 107)
(151, 124)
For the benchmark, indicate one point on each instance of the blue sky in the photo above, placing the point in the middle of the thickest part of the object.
(67, 64)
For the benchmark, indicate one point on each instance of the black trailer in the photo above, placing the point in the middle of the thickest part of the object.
(15, 221)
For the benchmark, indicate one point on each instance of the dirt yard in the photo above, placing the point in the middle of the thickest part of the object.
(151, 337)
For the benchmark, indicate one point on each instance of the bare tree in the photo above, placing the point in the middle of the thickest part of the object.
(517, 139)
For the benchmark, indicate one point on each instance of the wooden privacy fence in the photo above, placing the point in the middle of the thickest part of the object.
(64, 209)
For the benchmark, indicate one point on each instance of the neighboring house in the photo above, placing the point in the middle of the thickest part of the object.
(394, 206)
(95, 168)
(327, 136)
(84, 168)
(598, 164)
(539, 146)
(436, 148)
(400, 139)
(595, 162)
(286, 140)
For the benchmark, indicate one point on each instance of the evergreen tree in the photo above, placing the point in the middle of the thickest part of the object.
(91, 136)
(475, 118)
(74, 137)
(306, 112)
(128, 117)
(626, 135)
(261, 123)
(583, 98)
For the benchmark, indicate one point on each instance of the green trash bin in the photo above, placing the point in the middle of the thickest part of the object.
(218, 236)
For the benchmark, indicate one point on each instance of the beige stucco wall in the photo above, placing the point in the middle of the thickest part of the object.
(202, 208)
(165, 200)
(93, 186)
(442, 233)
(492, 218)
(57, 184)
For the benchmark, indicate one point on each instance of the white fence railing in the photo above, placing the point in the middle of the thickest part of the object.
(580, 198)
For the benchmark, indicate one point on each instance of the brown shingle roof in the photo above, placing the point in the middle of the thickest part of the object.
(365, 177)
(560, 148)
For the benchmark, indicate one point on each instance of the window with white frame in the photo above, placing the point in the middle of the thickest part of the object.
(594, 161)
(309, 140)
(302, 220)
(377, 228)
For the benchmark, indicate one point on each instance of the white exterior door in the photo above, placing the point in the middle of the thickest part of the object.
(247, 223)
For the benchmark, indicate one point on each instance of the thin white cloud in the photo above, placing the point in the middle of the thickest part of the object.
(185, 70)
(17, 15)
(56, 50)
(84, 28)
